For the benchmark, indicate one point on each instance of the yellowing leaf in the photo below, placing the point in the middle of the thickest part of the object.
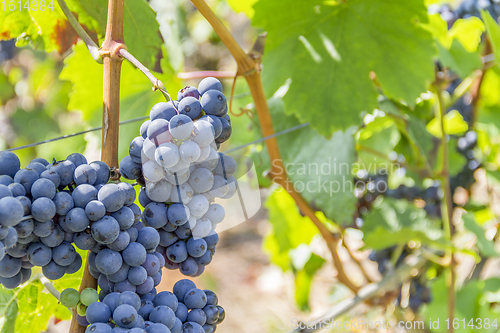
(454, 123)
(245, 6)
(468, 32)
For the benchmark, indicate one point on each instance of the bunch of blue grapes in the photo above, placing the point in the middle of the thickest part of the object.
(44, 210)
(186, 310)
(466, 9)
(175, 159)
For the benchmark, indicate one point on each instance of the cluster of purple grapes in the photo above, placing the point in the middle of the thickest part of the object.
(44, 210)
(186, 310)
(419, 292)
(176, 162)
(468, 8)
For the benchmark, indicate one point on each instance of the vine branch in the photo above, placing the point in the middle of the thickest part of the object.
(91, 45)
(249, 67)
(388, 283)
(49, 286)
(447, 213)
(157, 84)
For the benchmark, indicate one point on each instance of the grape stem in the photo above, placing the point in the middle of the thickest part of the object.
(91, 45)
(157, 84)
(249, 66)
(447, 212)
(49, 286)
(389, 283)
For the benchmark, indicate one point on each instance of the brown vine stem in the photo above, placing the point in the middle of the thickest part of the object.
(447, 213)
(249, 67)
(157, 84)
(113, 42)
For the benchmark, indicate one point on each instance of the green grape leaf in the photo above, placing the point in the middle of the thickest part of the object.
(485, 246)
(493, 32)
(396, 222)
(8, 310)
(245, 6)
(329, 49)
(454, 124)
(458, 59)
(303, 280)
(470, 305)
(290, 229)
(319, 168)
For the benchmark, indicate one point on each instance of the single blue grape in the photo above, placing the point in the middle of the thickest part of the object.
(108, 261)
(121, 242)
(135, 149)
(17, 189)
(155, 215)
(5, 191)
(214, 102)
(166, 298)
(182, 312)
(53, 176)
(26, 177)
(190, 327)
(11, 211)
(9, 266)
(178, 214)
(189, 267)
(162, 110)
(144, 128)
(64, 254)
(188, 91)
(12, 282)
(125, 286)
(112, 197)
(98, 312)
(130, 169)
(43, 229)
(181, 288)
(85, 174)
(103, 172)
(95, 210)
(99, 328)
(125, 217)
(167, 238)
(177, 253)
(177, 326)
(77, 220)
(77, 159)
(144, 200)
(198, 316)
(134, 254)
(133, 233)
(65, 169)
(205, 259)
(106, 230)
(129, 298)
(157, 278)
(137, 275)
(145, 308)
(110, 300)
(146, 287)
(25, 228)
(157, 328)
(38, 167)
(83, 194)
(84, 240)
(209, 83)
(163, 315)
(151, 264)
(190, 106)
(55, 238)
(64, 202)
(226, 131)
(149, 238)
(53, 271)
(42, 209)
(6, 180)
(121, 275)
(130, 194)
(195, 299)
(9, 163)
(196, 247)
(75, 265)
(104, 284)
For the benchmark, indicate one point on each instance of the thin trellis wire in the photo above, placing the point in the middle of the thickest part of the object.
(67, 136)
